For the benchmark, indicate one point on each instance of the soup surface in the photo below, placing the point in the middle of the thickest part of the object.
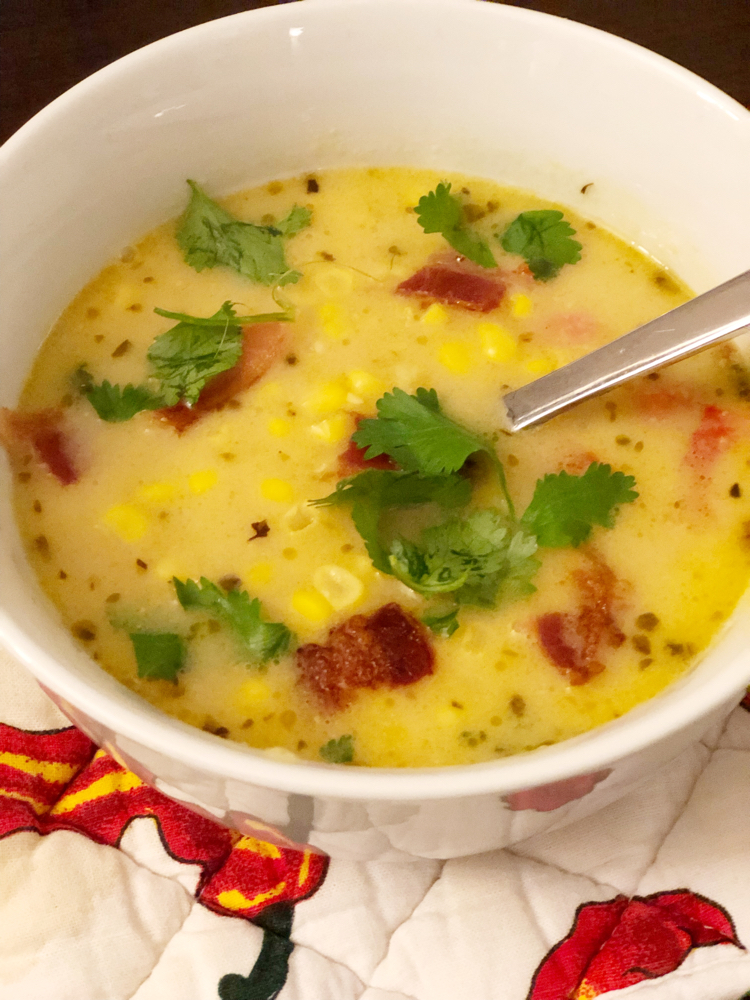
(494, 632)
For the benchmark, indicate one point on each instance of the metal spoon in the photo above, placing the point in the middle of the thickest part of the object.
(708, 319)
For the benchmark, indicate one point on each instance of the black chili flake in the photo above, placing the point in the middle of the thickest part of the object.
(136, 307)
(492, 206)
(301, 745)
(98, 338)
(326, 256)
(37, 507)
(62, 575)
(121, 349)
(291, 359)
(517, 705)
(148, 280)
(247, 724)
(112, 599)
(210, 726)
(41, 544)
(261, 529)
(84, 630)
(457, 704)
(675, 648)
(641, 644)
(644, 664)
(141, 564)
(312, 186)
(585, 187)
(230, 582)
(647, 621)
(735, 491)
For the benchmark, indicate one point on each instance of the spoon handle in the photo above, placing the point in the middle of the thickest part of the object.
(714, 316)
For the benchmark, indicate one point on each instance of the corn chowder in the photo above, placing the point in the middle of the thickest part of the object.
(454, 594)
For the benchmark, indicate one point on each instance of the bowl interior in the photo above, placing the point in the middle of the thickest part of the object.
(529, 100)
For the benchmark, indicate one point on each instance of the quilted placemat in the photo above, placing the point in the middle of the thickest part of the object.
(110, 891)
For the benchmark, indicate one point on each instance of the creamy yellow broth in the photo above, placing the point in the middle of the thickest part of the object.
(152, 504)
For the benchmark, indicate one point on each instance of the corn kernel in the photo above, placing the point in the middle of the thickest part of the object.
(277, 489)
(520, 305)
(328, 397)
(157, 492)
(311, 604)
(497, 344)
(250, 692)
(260, 573)
(332, 429)
(542, 365)
(340, 587)
(332, 320)
(126, 521)
(279, 427)
(333, 280)
(203, 481)
(447, 716)
(456, 357)
(366, 384)
(436, 315)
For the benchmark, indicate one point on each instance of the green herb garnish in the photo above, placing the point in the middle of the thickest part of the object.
(209, 236)
(441, 622)
(261, 640)
(340, 751)
(442, 212)
(543, 238)
(114, 404)
(467, 557)
(187, 356)
(375, 491)
(417, 435)
(564, 508)
(159, 655)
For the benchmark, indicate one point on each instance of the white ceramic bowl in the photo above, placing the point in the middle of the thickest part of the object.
(530, 100)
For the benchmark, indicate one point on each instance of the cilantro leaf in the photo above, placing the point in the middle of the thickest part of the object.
(442, 212)
(115, 405)
(159, 655)
(417, 435)
(374, 491)
(543, 238)
(189, 354)
(209, 236)
(340, 751)
(564, 508)
(468, 557)
(261, 640)
(441, 622)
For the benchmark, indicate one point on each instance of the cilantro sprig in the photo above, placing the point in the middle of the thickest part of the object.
(115, 404)
(544, 239)
(210, 236)
(564, 508)
(475, 557)
(467, 557)
(261, 640)
(417, 435)
(158, 655)
(442, 212)
(376, 491)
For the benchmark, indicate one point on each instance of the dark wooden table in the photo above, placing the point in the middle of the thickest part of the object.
(48, 45)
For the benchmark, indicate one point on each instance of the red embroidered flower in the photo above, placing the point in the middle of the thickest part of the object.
(623, 941)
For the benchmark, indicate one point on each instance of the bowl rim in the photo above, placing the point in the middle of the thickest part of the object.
(133, 718)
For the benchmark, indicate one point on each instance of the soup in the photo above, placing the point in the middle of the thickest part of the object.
(282, 508)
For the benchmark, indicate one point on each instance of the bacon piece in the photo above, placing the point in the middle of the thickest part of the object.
(262, 344)
(572, 641)
(389, 648)
(457, 281)
(48, 440)
(353, 459)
